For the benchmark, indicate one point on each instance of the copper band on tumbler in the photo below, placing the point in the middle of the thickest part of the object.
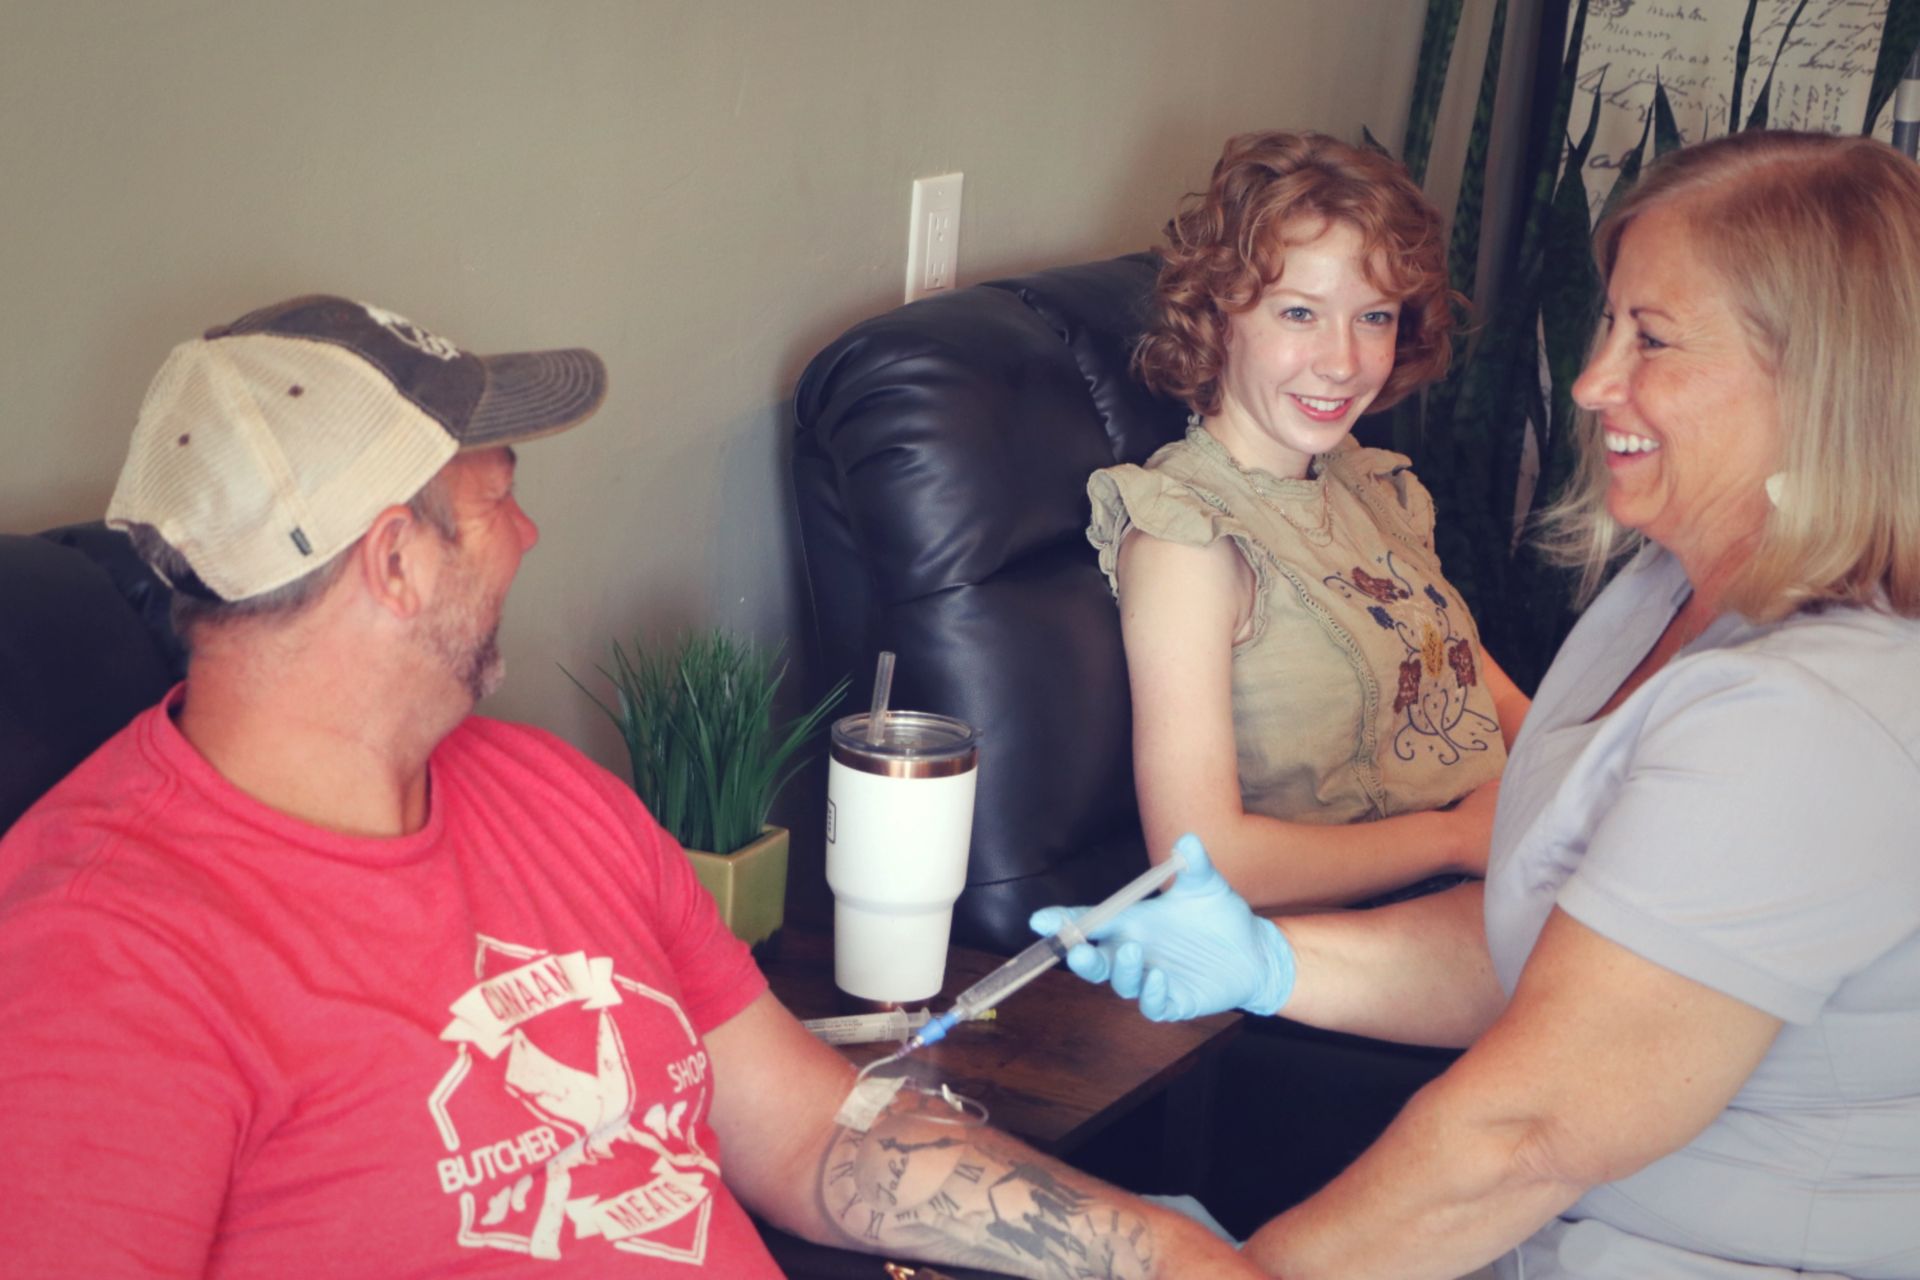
(916, 744)
(946, 768)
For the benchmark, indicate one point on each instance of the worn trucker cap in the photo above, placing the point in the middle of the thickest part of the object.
(268, 446)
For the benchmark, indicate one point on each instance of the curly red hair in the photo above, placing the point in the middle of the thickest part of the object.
(1226, 246)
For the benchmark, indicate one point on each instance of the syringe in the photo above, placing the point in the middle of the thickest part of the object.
(1042, 955)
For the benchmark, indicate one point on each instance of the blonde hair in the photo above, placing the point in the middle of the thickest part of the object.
(1816, 238)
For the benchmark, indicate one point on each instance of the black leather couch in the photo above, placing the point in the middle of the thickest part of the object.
(940, 472)
(84, 645)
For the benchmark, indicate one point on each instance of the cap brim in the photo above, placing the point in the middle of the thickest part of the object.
(534, 393)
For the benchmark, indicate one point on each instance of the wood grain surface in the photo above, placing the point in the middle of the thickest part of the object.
(1061, 1060)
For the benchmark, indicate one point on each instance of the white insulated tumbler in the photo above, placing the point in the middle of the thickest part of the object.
(899, 820)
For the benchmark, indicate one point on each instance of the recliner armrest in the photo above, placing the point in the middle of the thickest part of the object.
(78, 657)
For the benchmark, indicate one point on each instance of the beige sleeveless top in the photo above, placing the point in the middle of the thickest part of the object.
(1358, 694)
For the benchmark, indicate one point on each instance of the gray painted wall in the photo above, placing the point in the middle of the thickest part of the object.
(704, 192)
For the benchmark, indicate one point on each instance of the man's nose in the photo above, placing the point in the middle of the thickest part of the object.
(529, 531)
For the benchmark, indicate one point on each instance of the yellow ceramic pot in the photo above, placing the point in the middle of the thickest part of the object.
(749, 885)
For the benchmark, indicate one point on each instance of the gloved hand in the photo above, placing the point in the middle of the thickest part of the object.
(1195, 948)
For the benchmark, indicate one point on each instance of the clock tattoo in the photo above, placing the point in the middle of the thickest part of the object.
(922, 1180)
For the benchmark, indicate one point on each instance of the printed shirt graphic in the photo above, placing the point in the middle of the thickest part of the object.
(613, 1156)
(287, 1052)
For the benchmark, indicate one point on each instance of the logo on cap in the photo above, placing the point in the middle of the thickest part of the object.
(412, 334)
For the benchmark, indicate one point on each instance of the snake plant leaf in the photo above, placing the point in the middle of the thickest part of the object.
(1540, 593)
(1560, 284)
(1629, 171)
(1533, 229)
(1470, 451)
(1741, 53)
(1899, 37)
(1757, 119)
(1569, 295)
(1463, 245)
(1430, 81)
(1579, 151)
(1666, 134)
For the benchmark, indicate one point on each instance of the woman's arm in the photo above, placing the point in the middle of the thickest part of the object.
(1417, 971)
(1603, 1063)
(1181, 610)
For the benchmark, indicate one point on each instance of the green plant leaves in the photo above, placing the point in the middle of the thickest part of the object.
(1666, 132)
(1898, 39)
(1430, 81)
(1469, 454)
(1757, 118)
(1463, 244)
(697, 719)
(1741, 53)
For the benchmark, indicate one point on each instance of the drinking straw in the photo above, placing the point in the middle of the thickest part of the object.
(882, 689)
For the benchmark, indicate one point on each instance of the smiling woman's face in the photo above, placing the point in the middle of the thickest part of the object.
(1305, 362)
(1688, 408)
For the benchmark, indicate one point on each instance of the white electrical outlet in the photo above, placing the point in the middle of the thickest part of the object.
(933, 235)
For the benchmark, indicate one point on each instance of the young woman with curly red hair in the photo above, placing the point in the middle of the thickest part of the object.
(1309, 694)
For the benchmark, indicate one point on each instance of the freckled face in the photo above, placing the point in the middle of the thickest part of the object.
(1308, 359)
(1689, 411)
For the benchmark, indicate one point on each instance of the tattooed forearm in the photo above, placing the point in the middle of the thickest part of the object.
(925, 1182)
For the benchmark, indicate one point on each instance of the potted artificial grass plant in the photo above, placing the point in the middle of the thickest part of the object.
(708, 762)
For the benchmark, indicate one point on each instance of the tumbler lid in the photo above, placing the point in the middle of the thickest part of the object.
(912, 744)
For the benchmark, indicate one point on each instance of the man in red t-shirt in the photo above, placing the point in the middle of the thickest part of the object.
(310, 972)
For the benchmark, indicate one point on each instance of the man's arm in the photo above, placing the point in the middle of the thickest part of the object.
(922, 1180)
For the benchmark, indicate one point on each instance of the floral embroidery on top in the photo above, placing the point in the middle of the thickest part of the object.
(1382, 589)
(1437, 672)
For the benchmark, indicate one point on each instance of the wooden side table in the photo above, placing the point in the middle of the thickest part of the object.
(1061, 1061)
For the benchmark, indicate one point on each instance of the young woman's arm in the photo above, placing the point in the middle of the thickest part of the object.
(1181, 610)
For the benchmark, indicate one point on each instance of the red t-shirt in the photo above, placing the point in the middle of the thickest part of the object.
(234, 1045)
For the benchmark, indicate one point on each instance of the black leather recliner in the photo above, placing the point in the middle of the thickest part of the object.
(85, 645)
(941, 470)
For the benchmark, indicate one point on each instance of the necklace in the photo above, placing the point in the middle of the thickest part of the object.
(1264, 483)
(1319, 533)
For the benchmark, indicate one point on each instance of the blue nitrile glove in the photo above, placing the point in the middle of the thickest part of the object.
(1196, 948)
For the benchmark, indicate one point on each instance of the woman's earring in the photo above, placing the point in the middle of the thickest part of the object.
(1776, 486)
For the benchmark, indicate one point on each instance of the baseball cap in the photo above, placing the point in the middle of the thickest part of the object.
(267, 446)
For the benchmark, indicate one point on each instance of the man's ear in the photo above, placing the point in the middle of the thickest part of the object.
(397, 560)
